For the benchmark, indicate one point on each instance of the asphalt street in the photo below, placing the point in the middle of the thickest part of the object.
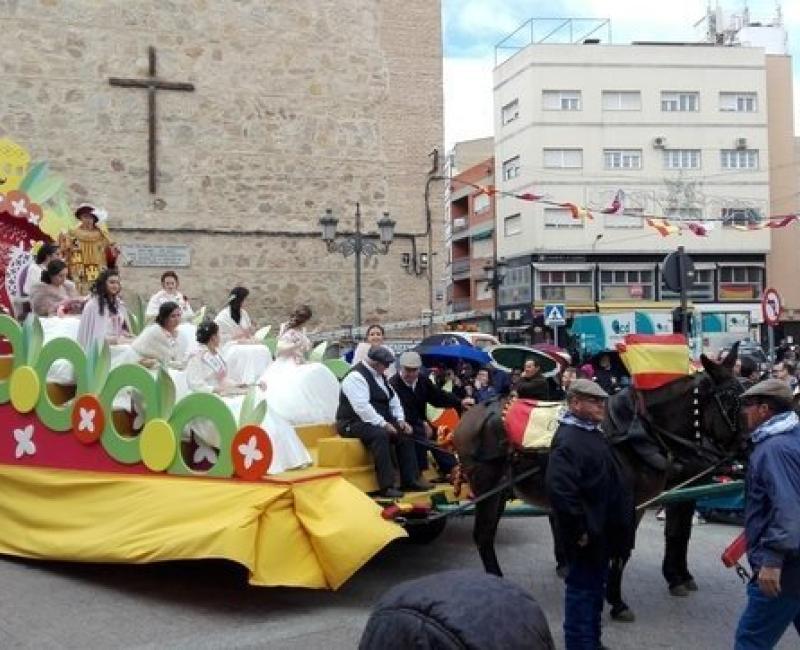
(209, 605)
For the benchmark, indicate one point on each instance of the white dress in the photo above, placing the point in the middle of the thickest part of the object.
(246, 361)
(207, 371)
(186, 330)
(302, 393)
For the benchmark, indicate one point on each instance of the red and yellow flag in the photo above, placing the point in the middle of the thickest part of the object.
(655, 359)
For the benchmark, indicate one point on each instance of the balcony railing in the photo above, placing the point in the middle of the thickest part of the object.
(460, 266)
(462, 304)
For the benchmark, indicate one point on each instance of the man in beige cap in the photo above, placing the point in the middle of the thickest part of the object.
(593, 506)
(415, 392)
(772, 516)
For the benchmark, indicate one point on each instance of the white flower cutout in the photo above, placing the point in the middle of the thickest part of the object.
(87, 420)
(25, 444)
(204, 452)
(251, 452)
(18, 207)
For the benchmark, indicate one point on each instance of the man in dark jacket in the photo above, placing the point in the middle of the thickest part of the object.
(772, 516)
(414, 393)
(593, 505)
(532, 384)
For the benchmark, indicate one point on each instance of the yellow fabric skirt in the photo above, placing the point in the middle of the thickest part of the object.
(309, 528)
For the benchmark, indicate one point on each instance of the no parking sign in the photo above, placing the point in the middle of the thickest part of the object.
(771, 307)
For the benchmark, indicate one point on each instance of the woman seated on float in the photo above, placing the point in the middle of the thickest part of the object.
(375, 338)
(33, 272)
(55, 295)
(104, 317)
(207, 372)
(169, 293)
(159, 343)
(234, 322)
(300, 392)
(246, 357)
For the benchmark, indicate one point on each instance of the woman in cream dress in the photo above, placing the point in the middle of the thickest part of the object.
(206, 372)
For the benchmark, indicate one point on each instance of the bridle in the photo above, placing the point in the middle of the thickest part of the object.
(726, 399)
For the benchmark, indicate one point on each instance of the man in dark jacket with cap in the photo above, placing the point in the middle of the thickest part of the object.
(772, 516)
(370, 410)
(414, 393)
(593, 505)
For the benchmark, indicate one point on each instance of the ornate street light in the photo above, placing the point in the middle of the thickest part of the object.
(357, 244)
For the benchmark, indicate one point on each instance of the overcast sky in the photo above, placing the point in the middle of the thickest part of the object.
(472, 28)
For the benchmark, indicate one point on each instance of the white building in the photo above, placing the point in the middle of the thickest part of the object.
(680, 129)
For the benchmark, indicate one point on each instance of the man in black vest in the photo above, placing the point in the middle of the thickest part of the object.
(414, 393)
(371, 411)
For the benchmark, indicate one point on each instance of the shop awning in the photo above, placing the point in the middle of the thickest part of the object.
(609, 306)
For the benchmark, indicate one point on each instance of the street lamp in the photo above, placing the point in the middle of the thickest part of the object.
(357, 244)
(495, 273)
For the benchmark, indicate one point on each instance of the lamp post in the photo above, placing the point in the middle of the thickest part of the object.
(357, 244)
(495, 273)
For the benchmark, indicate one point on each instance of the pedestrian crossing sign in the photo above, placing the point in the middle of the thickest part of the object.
(555, 314)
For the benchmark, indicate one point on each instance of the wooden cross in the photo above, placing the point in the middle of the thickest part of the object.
(152, 84)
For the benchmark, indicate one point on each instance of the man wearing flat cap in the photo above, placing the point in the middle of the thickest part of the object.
(772, 516)
(593, 506)
(371, 411)
(414, 393)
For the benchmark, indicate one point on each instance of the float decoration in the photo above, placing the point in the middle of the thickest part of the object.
(73, 486)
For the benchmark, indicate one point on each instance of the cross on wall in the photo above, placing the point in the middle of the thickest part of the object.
(152, 84)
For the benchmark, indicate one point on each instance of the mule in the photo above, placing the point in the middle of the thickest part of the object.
(694, 422)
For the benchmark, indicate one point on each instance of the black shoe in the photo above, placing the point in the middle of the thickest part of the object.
(389, 493)
(417, 486)
(690, 585)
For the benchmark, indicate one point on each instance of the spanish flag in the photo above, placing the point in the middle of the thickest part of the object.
(655, 359)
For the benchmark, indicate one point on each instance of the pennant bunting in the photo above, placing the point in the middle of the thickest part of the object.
(579, 213)
(617, 205)
(700, 229)
(663, 227)
(529, 197)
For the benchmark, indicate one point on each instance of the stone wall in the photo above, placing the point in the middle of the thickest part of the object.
(299, 105)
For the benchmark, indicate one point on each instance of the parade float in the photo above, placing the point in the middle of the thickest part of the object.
(78, 482)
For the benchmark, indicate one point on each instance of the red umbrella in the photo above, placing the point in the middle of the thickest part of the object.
(559, 355)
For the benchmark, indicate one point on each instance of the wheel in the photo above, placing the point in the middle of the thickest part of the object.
(424, 532)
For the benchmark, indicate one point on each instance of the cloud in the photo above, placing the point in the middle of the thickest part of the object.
(469, 99)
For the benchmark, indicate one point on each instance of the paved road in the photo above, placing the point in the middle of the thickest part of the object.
(208, 605)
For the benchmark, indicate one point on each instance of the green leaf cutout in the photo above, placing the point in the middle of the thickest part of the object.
(339, 367)
(200, 316)
(318, 352)
(248, 403)
(33, 337)
(166, 394)
(36, 173)
(46, 188)
(272, 345)
(259, 413)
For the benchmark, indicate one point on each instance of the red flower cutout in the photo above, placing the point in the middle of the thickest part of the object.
(88, 419)
(251, 451)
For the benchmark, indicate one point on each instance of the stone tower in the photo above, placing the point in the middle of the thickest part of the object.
(298, 105)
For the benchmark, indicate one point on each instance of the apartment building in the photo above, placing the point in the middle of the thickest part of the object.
(674, 131)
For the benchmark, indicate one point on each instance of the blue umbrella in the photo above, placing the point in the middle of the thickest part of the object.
(450, 354)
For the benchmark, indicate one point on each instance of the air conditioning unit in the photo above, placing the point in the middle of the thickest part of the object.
(659, 142)
(741, 143)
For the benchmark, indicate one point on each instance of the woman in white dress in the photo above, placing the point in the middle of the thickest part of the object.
(104, 316)
(169, 293)
(246, 357)
(33, 272)
(206, 372)
(159, 343)
(234, 321)
(302, 393)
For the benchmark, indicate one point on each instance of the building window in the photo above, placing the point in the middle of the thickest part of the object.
(682, 158)
(622, 158)
(739, 158)
(563, 158)
(738, 102)
(480, 202)
(740, 282)
(516, 287)
(680, 102)
(560, 218)
(564, 286)
(512, 225)
(482, 248)
(702, 287)
(561, 100)
(740, 217)
(627, 285)
(510, 112)
(511, 168)
(684, 214)
(622, 100)
(630, 218)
